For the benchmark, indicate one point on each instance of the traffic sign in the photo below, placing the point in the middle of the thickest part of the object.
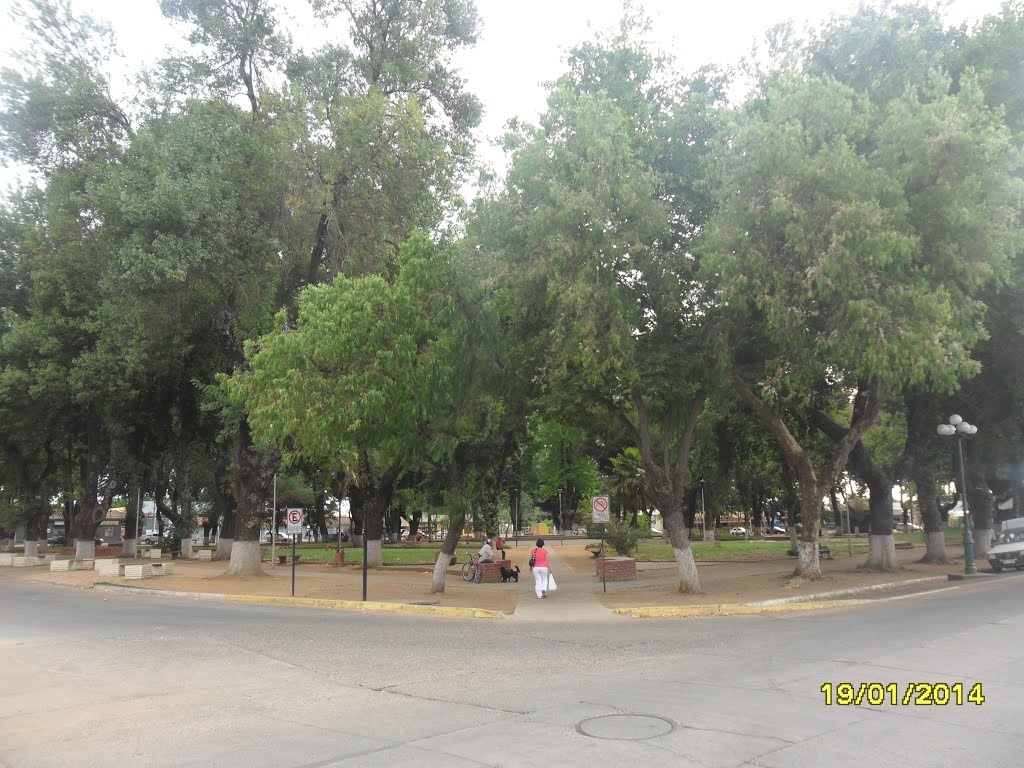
(599, 509)
(294, 519)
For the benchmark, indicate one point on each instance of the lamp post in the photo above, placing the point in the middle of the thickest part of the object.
(517, 524)
(561, 523)
(957, 426)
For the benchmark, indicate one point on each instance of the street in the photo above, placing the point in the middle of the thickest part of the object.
(97, 679)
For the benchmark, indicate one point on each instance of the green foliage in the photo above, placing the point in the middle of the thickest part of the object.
(622, 537)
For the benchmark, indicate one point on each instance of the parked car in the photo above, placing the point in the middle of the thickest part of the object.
(1008, 551)
(738, 530)
(57, 541)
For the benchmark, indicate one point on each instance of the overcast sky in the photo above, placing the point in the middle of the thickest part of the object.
(524, 41)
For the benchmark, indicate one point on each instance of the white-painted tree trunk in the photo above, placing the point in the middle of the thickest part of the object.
(689, 583)
(129, 548)
(225, 549)
(982, 543)
(935, 547)
(808, 566)
(374, 556)
(31, 548)
(85, 549)
(440, 573)
(709, 534)
(6, 545)
(881, 554)
(357, 540)
(245, 559)
(186, 549)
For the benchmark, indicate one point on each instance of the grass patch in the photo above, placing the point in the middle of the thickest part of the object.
(738, 548)
(392, 555)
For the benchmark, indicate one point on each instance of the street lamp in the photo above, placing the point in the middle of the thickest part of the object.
(517, 524)
(957, 426)
(561, 523)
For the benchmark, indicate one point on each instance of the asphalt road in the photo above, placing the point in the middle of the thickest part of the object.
(93, 679)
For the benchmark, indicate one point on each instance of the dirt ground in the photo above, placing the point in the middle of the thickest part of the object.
(721, 582)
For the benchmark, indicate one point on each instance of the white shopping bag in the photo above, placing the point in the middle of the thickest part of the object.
(551, 582)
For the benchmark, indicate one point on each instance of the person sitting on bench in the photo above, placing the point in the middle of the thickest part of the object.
(486, 553)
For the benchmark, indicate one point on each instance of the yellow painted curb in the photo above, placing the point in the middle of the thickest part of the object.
(312, 602)
(659, 612)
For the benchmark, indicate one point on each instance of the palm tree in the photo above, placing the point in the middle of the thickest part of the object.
(628, 481)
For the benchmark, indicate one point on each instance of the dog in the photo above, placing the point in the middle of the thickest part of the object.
(508, 574)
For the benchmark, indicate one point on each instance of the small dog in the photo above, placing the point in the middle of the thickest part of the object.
(509, 574)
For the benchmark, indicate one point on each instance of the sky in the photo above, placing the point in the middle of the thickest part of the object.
(524, 42)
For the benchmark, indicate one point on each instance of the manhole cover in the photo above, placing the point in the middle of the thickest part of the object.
(625, 727)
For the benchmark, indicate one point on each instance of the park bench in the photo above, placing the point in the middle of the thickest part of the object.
(824, 552)
(595, 550)
(285, 559)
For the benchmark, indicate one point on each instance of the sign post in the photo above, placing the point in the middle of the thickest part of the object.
(294, 518)
(599, 514)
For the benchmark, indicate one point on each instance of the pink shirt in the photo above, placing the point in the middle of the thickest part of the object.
(541, 556)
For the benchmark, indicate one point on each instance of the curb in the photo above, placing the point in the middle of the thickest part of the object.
(734, 609)
(778, 605)
(850, 591)
(312, 602)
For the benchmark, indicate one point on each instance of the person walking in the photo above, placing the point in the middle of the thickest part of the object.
(541, 569)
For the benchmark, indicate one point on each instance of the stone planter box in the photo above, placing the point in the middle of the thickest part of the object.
(72, 565)
(109, 567)
(31, 560)
(204, 554)
(138, 571)
(616, 568)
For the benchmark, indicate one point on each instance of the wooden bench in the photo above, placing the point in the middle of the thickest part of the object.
(285, 559)
(824, 552)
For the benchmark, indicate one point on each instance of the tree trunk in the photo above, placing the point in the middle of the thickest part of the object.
(808, 565)
(252, 474)
(882, 547)
(85, 549)
(89, 515)
(451, 541)
(931, 519)
(981, 505)
(130, 547)
(679, 538)
(223, 549)
(881, 554)
(31, 547)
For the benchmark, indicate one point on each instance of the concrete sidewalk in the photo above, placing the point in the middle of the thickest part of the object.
(573, 602)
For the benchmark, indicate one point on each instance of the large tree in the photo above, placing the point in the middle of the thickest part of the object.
(849, 244)
(368, 362)
(593, 225)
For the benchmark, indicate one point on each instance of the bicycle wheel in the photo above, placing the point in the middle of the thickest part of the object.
(467, 572)
(479, 573)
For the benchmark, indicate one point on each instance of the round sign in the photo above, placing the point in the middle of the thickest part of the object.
(295, 516)
(600, 503)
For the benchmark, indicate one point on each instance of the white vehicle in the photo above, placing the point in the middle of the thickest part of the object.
(1008, 551)
(739, 530)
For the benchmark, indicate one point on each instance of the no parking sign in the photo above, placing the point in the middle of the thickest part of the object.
(294, 519)
(599, 509)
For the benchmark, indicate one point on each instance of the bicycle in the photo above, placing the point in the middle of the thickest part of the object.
(472, 571)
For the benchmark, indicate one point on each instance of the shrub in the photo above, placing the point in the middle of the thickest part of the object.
(622, 537)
